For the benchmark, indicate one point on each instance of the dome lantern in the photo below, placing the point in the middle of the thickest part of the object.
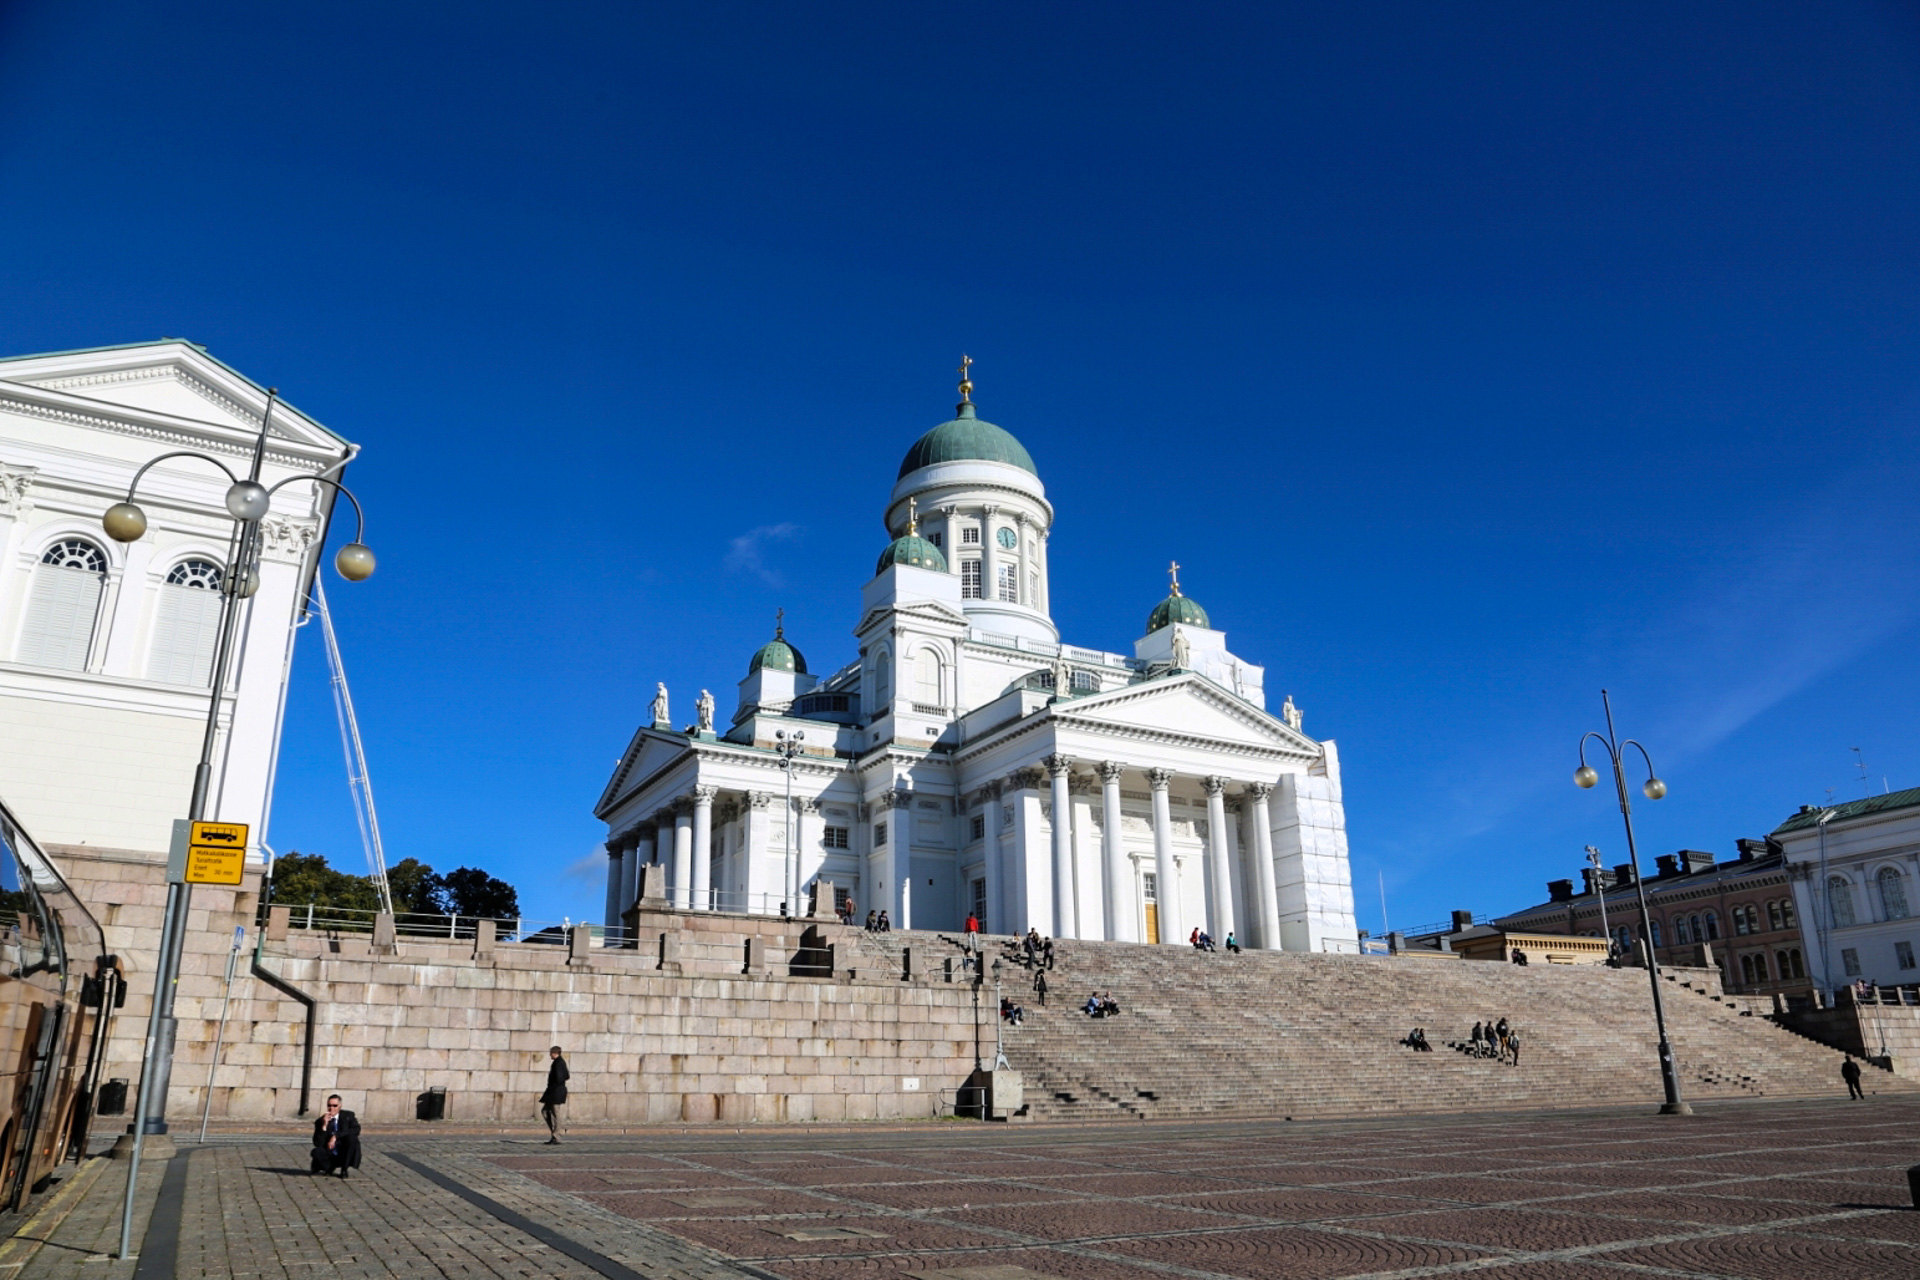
(1177, 608)
(910, 548)
(776, 654)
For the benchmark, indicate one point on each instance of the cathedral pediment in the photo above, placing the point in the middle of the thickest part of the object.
(1188, 706)
(650, 751)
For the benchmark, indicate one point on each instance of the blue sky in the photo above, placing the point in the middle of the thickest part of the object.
(1468, 360)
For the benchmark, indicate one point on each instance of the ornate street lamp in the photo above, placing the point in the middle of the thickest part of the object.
(1586, 776)
(247, 502)
(787, 748)
(1600, 891)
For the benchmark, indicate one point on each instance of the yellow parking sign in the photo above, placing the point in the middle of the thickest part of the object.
(216, 853)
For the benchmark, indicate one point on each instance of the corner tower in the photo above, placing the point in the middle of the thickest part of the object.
(982, 505)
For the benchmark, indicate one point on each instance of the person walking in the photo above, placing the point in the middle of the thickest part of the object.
(1475, 1037)
(1040, 987)
(1513, 1047)
(1850, 1072)
(1500, 1034)
(336, 1138)
(556, 1095)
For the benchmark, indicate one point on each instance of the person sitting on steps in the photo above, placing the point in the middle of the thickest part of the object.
(1109, 1007)
(1092, 1007)
(1232, 946)
(1010, 1011)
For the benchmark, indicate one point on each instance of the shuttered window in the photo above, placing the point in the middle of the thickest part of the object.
(63, 605)
(186, 625)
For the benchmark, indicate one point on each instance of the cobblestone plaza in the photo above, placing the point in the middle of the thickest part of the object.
(1763, 1190)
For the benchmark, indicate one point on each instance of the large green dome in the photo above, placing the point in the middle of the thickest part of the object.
(911, 548)
(1176, 608)
(777, 655)
(967, 438)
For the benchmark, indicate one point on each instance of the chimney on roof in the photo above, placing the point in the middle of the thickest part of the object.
(1597, 880)
(1695, 861)
(1623, 874)
(1668, 864)
(1560, 890)
(1462, 920)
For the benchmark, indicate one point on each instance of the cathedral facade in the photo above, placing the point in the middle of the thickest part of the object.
(968, 760)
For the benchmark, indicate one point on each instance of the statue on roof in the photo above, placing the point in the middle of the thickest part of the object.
(660, 713)
(1182, 650)
(1291, 714)
(703, 712)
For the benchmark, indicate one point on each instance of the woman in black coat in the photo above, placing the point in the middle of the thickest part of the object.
(336, 1139)
(555, 1096)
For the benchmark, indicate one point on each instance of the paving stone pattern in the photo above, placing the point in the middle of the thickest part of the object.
(1759, 1190)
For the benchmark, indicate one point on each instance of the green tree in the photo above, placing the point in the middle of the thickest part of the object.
(472, 892)
(416, 889)
(302, 878)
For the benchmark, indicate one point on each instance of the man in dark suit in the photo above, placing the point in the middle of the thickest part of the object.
(336, 1139)
(555, 1096)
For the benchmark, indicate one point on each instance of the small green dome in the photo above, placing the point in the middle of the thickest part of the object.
(911, 548)
(1176, 608)
(967, 438)
(777, 655)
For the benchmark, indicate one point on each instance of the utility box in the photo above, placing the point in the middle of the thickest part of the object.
(431, 1105)
(113, 1098)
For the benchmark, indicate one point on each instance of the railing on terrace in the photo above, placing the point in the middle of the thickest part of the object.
(342, 920)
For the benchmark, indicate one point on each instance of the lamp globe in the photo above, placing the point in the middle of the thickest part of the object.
(1585, 776)
(354, 561)
(1654, 788)
(248, 501)
(124, 522)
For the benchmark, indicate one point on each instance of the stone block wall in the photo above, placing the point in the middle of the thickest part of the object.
(1889, 1031)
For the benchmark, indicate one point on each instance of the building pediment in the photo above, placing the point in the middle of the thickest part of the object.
(928, 613)
(650, 751)
(172, 388)
(1189, 706)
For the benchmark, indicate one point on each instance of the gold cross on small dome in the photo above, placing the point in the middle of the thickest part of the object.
(1173, 571)
(966, 378)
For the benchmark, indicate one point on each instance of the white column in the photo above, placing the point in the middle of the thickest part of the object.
(1257, 793)
(997, 915)
(1219, 877)
(1063, 913)
(1167, 906)
(759, 854)
(989, 561)
(703, 847)
(1020, 575)
(683, 854)
(1241, 894)
(896, 809)
(1030, 868)
(1120, 905)
(615, 877)
(806, 849)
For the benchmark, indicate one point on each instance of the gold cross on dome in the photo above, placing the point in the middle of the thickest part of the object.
(1173, 571)
(966, 378)
(779, 623)
(913, 516)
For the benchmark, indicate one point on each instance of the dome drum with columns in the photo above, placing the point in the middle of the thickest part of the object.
(966, 760)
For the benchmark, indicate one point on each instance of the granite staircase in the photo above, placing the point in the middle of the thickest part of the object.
(1265, 1034)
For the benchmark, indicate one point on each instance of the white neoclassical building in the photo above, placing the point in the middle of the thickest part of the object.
(106, 649)
(966, 759)
(1855, 869)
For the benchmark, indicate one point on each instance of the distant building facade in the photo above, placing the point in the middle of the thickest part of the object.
(1856, 868)
(1742, 912)
(965, 760)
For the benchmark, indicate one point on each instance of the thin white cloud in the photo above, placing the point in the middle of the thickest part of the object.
(591, 868)
(745, 554)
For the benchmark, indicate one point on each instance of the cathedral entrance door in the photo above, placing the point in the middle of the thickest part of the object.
(1153, 923)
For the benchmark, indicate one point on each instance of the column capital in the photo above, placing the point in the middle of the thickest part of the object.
(989, 508)
(1215, 785)
(703, 795)
(1159, 778)
(806, 804)
(1082, 784)
(759, 799)
(681, 808)
(663, 816)
(1026, 779)
(1258, 791)
(889, 800)
(1058, 764)
(1110, 770)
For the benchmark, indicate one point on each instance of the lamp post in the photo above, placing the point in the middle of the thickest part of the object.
(999, 1023)
(247, 502)
(1653, 789)
(1600, 891)
(787, 748)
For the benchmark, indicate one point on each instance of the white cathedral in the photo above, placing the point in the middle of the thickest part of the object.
(967, 760)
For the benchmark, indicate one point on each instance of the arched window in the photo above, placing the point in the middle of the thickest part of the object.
(64, 605)
(1680, 930)
(1793, 968)
(1656, 933)
(1713, 927)
(1086, 682)
(1840, 901)
(882, 681)
(186, 624)
(927, 679)
(1693, 927)
(1786, 913)
(1893, 893)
